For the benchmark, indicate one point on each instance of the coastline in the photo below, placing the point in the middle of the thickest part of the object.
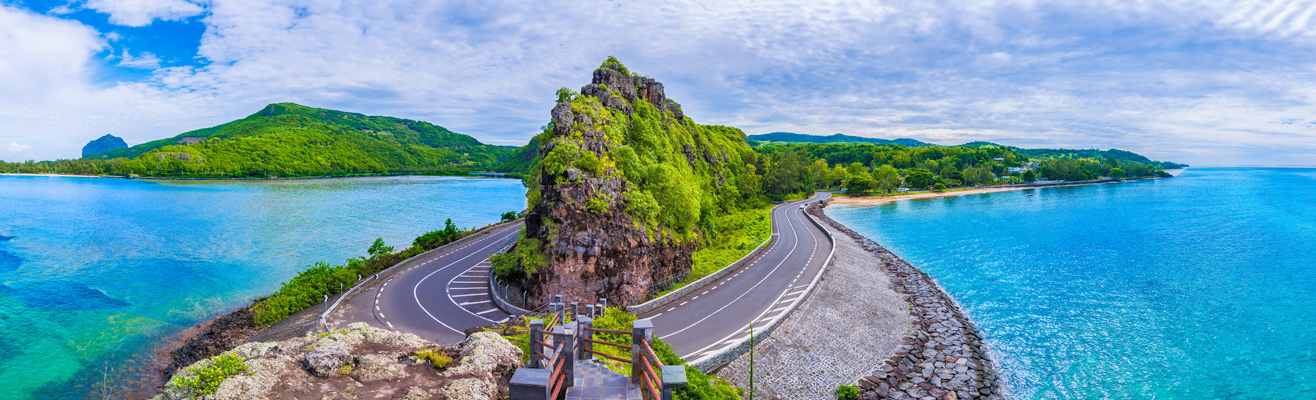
(167, 178)
(944, 356)
(863, 201)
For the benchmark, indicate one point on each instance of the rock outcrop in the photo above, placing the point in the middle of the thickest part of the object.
(103, 144)
(585, 209)
(361, 362)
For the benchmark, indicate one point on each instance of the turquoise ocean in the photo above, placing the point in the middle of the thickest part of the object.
(94, 271)
(1201, 286)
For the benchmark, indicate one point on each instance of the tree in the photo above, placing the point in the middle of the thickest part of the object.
(978, 175)
(939, 187)
(1029, 176)
(888, 179)
(1116, 173)
(950, 173)
(507, 216)
(379, 248)
(918, 177)
(859, 184)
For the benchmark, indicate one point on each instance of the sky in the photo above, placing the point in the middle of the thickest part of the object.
(1221, 82)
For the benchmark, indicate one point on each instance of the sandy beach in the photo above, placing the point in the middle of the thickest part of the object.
(875, 200)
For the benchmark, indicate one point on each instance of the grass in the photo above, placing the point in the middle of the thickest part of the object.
(205, 380)
(435, 357)
(740, 233)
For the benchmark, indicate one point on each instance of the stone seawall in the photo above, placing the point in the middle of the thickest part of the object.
(943, 357)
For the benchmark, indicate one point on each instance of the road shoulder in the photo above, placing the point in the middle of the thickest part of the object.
(853, 321)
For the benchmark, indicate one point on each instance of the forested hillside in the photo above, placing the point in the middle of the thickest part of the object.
(290, 140)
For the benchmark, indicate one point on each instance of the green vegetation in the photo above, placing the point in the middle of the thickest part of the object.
(847, 392)
(863, 168)
(311, 285)
(435, 357)
(508, 216)
(203, 380)
(290, 140)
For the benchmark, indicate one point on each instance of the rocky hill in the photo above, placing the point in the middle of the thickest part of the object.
(103, 144)
(361, 362)
(622, 189)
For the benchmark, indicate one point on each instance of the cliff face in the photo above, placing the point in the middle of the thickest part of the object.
(103, 144)
(623, 181)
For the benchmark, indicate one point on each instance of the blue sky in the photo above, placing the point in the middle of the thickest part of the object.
(1225, 82)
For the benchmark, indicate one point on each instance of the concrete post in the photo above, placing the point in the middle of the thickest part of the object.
(640, 329)
(575, 310)
(536, 334)
(529, 384)
(589, 310)
(582, 350)
(673, 378)
(603, 303)
(557, 298)
(566, 335)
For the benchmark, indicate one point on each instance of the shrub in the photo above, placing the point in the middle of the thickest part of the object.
(508, 216)
(311, 285)
(939, 187)
(847, 392)
(205, 380)
(435, 357)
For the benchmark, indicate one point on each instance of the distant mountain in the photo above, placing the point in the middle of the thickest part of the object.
(103, 144)
(1117, 154)
(837, 138)
(288, 139)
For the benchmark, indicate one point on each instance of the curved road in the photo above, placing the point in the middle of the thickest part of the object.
(702, 323)
(441, 294)
(437, 295)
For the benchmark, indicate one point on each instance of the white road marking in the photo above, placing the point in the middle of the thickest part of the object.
(487, 311)
(467, 288)
(390, 324)
(415, 291)
(474, 302)
(468, 295)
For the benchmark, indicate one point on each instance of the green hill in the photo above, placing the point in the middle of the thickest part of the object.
(788, 137)
(287, 139)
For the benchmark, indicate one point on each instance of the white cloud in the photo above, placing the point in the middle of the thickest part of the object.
(144, 12)
(15, 147)
(1188, 82)
(145, 60)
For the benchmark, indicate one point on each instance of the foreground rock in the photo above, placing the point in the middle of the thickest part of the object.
(362, 362)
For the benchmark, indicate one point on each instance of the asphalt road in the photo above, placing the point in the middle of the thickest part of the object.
(444, 293)
(439, 295)
(704, 322)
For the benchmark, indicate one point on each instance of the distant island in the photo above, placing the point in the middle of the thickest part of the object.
(103, 144)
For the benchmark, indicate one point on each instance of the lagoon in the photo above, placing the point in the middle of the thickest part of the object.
(94, 270)
(1195, 287)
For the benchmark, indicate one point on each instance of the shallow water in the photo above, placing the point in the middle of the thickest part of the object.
(92, 270)
(1196, 287)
